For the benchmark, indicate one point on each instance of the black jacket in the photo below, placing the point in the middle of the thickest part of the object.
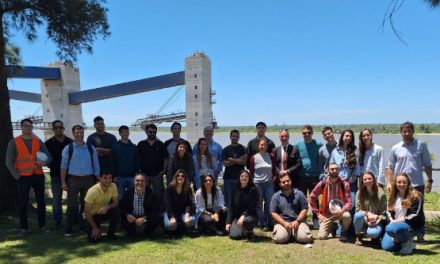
(294, 162)
(244, 202)
(152, 206)
(177, 204)
(415, 217)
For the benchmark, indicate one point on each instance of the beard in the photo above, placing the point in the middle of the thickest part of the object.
(334, 175)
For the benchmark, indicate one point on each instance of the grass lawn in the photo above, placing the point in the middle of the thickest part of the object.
(55, 248)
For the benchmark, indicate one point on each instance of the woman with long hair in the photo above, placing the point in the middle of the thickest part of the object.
(179, 204)
(405, 211)
(371, 156)
(211, 212)
(242, 215)
(262, 167)
(204, 162)
(371, 203)
(181, 159)
(346, 156)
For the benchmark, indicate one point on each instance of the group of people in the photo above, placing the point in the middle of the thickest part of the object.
(118, 181)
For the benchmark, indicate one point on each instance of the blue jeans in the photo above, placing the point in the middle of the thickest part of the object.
(229, 187)
(57, 196)
(24, 185)
(179, 220)
(360, 226)
(400, 231)
(266, 192)
(123, 183)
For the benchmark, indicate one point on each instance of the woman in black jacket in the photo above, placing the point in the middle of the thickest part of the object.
(140, 208)
(242, 216)
(181, 159)
(405, 210)
(179, 203)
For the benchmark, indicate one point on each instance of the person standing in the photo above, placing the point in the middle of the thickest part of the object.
(326, 150)
(234, 159)
(288, 208)
(204, 162)
(25, 162)
(410, 156)
(102, 141)
(371, 157)
(262, 168)
(310, 171)
(214, 148)
(171, 143)
(55, 145)
(287, 160)
(253, 144)
(79, 168)
(125, 161)
(154, 160)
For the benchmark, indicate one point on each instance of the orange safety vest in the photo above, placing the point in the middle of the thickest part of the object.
(25, 161)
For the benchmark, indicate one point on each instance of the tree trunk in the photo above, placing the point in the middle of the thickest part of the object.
(8, 186)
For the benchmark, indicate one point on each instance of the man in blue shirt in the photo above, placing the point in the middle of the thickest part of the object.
(309, 174)
(80, 168)
(288, 208)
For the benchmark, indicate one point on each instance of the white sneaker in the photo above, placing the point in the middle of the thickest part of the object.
(315, 224)
(407, 247)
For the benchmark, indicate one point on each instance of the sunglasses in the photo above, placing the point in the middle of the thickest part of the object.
(180, 175)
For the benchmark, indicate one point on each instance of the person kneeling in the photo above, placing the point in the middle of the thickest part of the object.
(140, 208)
(405, 210)
(101, 204)
(242, 216)
(210, 206)
(179, 204)
(335, 204)
(288, 208)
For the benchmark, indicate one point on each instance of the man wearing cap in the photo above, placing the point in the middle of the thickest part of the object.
(22, 160)
(288, 208)
(335, 193)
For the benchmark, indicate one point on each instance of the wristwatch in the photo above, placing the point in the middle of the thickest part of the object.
(430, 181)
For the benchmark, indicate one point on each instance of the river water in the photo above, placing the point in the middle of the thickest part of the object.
(386, 141)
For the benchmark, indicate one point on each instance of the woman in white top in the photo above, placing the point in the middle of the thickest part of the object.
(211, 212)
(371, 157)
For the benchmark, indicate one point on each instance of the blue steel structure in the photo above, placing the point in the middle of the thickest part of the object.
(46, 73)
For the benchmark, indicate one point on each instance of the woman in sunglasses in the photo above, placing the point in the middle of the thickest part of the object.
(179, 205)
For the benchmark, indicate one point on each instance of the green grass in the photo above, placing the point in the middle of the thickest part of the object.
(55, 248)
(432, 201)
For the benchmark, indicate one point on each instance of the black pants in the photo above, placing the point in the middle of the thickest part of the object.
(207, 223)
(307, 184)
(149, 226)
(112, 215)
(24, 185)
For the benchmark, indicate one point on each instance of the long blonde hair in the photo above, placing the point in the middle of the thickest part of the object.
(410, 195)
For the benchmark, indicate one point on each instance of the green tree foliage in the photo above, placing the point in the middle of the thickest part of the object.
(73, 25)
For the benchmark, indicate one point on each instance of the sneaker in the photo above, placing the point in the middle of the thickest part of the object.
(68, 232)
(43, 230)
(219, 233)
(421, 238)
(407, 247)
(250, 236)
(359, 241)
(266, 228)
(315, 224)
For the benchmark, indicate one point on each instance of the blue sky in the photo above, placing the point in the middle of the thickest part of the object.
(292, 62)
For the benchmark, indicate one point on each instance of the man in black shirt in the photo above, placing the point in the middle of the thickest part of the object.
(55, 145)
(154, 160)
(234, 159)
(102, 141)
